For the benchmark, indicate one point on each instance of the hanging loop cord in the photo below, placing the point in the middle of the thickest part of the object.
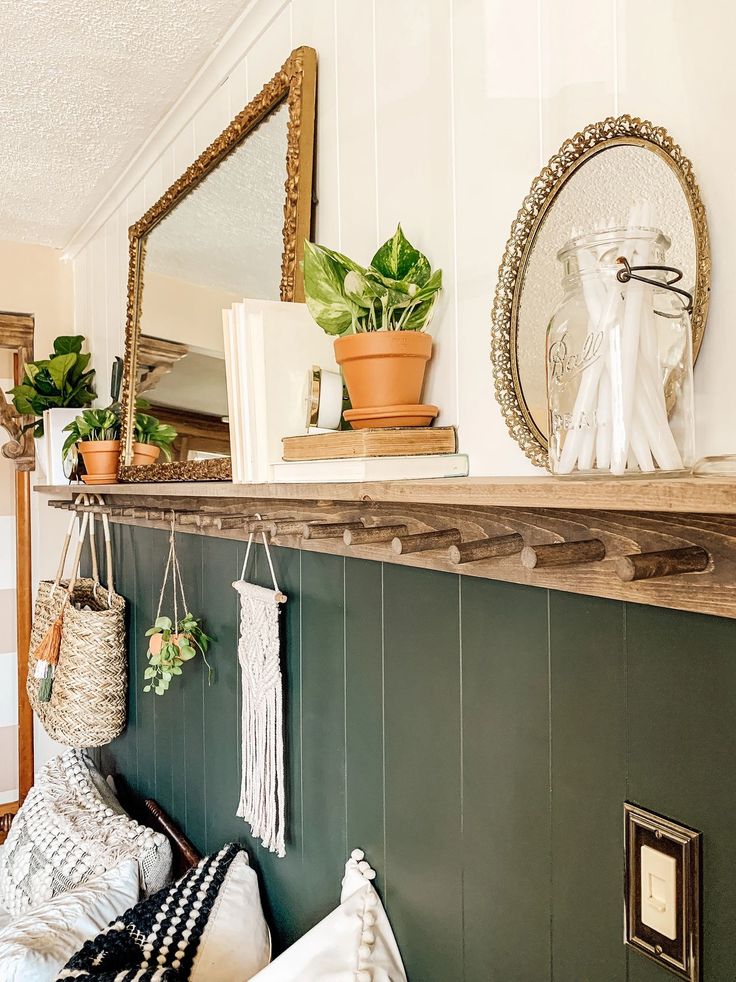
(174, 570)
(280, 597)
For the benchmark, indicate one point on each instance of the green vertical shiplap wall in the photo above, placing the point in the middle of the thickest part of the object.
(477, 739)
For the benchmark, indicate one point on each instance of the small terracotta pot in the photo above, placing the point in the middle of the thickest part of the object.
(145, 453)
(384, 368)
(101, 459)
(156, 642)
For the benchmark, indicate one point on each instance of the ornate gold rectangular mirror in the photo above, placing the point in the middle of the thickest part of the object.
(232, 226)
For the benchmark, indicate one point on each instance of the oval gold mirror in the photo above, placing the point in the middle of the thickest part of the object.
(590, 184)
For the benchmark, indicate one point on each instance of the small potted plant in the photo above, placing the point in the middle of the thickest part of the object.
(379, 313)
(54, 388)
(152, 438)
(96, 435)
(170, 646)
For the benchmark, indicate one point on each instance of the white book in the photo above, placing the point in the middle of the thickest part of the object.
(370, 469)
(233, 413)
(272, 348)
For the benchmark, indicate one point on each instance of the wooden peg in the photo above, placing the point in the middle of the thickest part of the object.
(223, 522)
(376, 533)
(424, 541)
(563, 554)
(259, 525)
(491, 548)
(665, 562)
(329, 530)
(287, 526)
(190, 518)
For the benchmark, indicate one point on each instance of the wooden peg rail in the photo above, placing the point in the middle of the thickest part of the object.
(670, 558)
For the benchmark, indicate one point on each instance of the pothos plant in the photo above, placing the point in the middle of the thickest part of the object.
(396, 292)
(173, 641)
(170, 646)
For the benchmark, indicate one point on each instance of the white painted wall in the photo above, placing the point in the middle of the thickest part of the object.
(439, 113)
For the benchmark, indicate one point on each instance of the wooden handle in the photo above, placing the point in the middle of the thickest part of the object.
(424, 541)
(378, 533)
(665, 562)
(563, 554)
(491, 548)
(329, 530)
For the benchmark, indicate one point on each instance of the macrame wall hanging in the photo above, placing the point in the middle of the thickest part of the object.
(262, 785)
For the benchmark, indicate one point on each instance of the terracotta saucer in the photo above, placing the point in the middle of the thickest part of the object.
(386, 416)
(104, 479)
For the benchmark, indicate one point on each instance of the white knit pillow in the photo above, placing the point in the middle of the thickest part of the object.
(35, 946)
(354, 942)
(65, 833)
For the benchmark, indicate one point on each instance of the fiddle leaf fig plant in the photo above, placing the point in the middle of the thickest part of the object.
(396, 292)
(63, 380)
(172, 645)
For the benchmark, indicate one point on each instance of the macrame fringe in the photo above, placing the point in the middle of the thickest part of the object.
(262, 802)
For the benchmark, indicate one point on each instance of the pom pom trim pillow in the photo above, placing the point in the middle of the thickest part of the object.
(354, 942)
(207, 927)
(65, 833)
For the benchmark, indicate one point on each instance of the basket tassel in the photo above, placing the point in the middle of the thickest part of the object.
(47, 657)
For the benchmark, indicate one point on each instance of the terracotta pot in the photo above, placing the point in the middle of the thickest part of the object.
(145, 453)
(156, 642)
(384, 368)
(101, 459)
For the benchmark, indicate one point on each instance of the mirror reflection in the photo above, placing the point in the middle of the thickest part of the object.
(598, 195)
(222, 242)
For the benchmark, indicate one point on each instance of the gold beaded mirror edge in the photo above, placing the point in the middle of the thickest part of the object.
(575, 153)
(295, 86)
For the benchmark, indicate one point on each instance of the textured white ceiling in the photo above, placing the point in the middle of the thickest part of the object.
(82, 84)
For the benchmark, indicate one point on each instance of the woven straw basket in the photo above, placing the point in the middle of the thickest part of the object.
(89, 693)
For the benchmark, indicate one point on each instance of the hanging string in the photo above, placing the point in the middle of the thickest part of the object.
(280, 597)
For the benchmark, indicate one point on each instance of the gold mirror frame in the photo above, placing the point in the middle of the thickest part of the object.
(295, 83)
(618, 131)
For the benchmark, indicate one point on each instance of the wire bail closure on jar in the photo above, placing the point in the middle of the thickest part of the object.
(629, 272)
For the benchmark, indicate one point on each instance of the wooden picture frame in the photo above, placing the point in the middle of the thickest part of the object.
(296, 85)
(16, 335)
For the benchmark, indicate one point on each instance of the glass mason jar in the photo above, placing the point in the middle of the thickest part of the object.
(619, 361)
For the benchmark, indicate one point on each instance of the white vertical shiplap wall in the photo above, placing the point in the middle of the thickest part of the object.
(438, 113)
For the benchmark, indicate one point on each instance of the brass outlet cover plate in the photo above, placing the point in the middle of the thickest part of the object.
(681, 955)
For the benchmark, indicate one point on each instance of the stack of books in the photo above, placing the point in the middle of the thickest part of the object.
(404, 453)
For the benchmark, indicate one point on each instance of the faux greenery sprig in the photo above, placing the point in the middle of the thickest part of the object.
(396, 292)
(59, 381)
(170, 646)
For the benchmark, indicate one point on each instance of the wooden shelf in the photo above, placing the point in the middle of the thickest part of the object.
(681, 531)
(681, 495)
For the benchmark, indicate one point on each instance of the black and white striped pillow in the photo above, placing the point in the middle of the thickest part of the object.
(159, 940)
